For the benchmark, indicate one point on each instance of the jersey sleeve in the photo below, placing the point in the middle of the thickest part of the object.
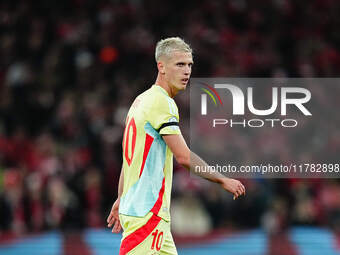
(164, 117)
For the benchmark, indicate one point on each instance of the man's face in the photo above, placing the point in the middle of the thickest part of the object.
(177, 69)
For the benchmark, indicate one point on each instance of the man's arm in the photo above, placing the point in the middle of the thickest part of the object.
(113, 217)
(121, 183)
(191, 161)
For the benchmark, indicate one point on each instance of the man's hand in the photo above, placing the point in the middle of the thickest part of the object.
(113, 218)
(233, 186)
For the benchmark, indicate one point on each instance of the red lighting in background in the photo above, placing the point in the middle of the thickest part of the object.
(108, 55)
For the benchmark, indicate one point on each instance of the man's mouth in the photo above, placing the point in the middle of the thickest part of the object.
(185, 80)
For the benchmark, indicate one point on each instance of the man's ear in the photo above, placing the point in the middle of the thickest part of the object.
(161, 68)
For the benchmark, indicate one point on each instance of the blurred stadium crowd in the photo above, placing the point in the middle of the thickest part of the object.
(70, 69)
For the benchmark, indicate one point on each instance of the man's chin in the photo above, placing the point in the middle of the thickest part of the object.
(180, 87)
(183, 86)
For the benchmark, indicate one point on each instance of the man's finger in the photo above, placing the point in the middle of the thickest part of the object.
(244, 190)
(117, 227)
(240, 190)
(109, 217)
(235, 195)
(111, 222)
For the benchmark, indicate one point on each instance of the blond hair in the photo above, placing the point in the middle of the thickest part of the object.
(166, 46)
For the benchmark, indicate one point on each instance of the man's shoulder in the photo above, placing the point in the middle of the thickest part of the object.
(146, 101)
(155, 97)
(155, 91)
(145, 98)
(154, 101)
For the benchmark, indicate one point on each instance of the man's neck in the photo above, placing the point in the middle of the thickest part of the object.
(172, 92)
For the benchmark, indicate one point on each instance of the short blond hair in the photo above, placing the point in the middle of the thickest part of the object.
(166, 46)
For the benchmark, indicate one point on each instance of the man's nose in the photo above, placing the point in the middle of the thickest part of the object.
(187, 70)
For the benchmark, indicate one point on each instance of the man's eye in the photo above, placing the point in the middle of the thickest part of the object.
(180, 64)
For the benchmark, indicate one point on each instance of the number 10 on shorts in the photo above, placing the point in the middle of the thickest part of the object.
(157, 240)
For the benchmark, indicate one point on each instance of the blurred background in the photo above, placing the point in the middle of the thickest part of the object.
(69, 70)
